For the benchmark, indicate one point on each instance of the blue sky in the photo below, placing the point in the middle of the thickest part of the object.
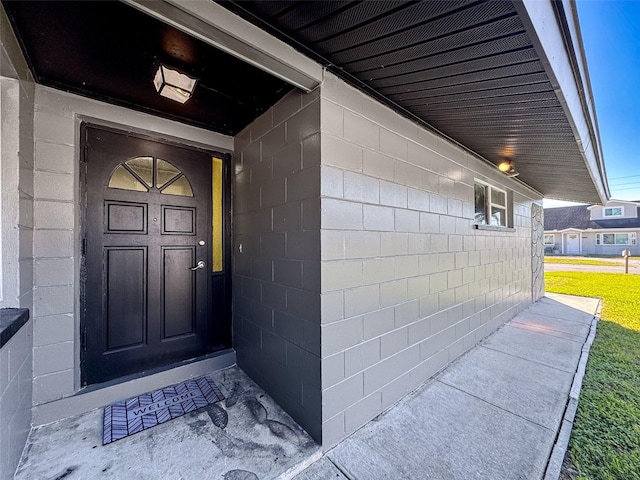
(611, 36)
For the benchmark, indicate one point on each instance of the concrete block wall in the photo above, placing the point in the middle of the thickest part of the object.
(56, 236)
(16, 175)
(17, 92)
(407, 283)
(276, 278)
(15, 398)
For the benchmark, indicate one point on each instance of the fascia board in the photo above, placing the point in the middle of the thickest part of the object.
(548, 38)
(626, 202)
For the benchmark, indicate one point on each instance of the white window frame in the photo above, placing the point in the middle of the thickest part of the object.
(553, 241)
(631, 238)
(489, 205)
(611, 214)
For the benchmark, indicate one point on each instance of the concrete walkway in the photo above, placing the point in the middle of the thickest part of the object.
(493, 414)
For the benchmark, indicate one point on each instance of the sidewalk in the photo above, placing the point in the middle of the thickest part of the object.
(493, 414)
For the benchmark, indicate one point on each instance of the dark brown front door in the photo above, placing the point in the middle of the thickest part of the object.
(147, 254)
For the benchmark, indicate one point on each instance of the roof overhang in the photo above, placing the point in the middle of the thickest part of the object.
(506, 80)
(503, 79)
(111, 52)
(561, 51)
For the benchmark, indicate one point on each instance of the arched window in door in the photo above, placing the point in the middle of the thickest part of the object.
(143, 174)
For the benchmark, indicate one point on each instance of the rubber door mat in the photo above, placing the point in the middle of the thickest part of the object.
(139, 413)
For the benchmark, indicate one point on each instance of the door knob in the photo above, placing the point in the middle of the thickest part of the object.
(200, 264)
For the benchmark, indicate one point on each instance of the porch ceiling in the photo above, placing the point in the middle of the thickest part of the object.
(465, 67)
(479, 71)
(109, 51)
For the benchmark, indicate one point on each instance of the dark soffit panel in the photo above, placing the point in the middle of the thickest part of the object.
(109, 51)
(465, 67)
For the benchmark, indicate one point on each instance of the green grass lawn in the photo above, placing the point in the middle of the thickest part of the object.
(605, 442)
(579, 261)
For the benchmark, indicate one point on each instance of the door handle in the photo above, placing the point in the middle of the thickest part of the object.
(200, 264)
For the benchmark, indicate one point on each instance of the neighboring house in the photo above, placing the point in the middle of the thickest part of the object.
(333, 178)
(595, 229)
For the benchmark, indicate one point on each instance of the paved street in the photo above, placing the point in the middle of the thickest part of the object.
(634, 266)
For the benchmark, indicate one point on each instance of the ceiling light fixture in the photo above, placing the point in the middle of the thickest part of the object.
(507, 167)
(173, 84)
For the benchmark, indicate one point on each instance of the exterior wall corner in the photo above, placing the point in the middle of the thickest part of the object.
(276, 260)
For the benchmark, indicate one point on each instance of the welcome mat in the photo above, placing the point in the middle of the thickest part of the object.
(136, 414)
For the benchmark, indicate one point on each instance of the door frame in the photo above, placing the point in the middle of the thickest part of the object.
(224, 328)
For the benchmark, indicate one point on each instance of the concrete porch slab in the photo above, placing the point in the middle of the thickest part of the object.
(259, 441)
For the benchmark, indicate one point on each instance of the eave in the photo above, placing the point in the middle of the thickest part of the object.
(503, 79)
(506, 80)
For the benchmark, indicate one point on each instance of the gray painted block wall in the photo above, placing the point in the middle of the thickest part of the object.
(15, 398)
(16, 150)
(408, 284)
(17, 92)
(54, 250)
(276, 235)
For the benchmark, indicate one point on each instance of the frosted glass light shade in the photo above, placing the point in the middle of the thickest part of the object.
(173, 84)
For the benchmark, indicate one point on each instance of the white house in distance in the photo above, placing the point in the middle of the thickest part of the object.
(592, 229)
(326, 210)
